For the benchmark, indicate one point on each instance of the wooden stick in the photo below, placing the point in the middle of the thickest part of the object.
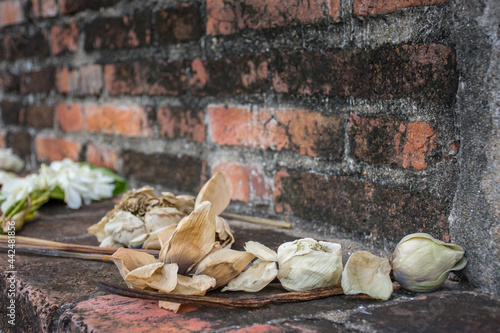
(257, 220)
(51, 245)
(248, 302)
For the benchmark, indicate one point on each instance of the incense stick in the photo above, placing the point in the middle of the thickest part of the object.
(247, 302)
(257, 220)
(54, 253)
(51, 245)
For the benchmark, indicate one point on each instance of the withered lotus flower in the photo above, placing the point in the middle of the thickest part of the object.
(217, 191)
(190, 261)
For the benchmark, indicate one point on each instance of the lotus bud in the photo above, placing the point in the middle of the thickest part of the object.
(308, 264)
(422, 263)
(366, 273)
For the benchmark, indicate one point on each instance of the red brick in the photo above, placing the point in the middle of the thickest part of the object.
(180, 174)
(176, 122)
(55, 149)
(121, 120)
(11, 12)
(41, 81)
(376, 7)
(226, 17)
(69, 117)
(180, 23)
(118, 32)
(44, 8)
(64, 38)
(152, 78)
(85, 80)
(422, 72)
(247, 183)
(383, 212)
(103, 156)
(39, 116)
(27, 43)
(229, 76)
(306, 133)
(380, 141)
(74, 6)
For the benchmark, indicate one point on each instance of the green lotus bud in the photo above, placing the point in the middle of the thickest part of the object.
(422, 263)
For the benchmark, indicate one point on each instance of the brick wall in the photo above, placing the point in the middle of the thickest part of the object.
(337, 115)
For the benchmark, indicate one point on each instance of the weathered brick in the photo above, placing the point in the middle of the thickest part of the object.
(113, 33)
(230, 16)
(11, 12)
(229, 76)
(306, 133)
(20, 142)
(247, 183)
(152, 78)
(44, 8)
(11, 112)
(38, 116)
(180, 23)
(55, 149)
(376, 7)
(73, 6)
(425, 73)
(360, 207)
(103, 156)
(27, 43)
(64, 38)
(41, 81)
(182, 174)
(381, 141)
(131, 120)
(8, 82)
(85, 80)
(177, 122)
(69, 117)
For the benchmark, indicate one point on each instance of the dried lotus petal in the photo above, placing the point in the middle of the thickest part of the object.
(261, 251)
(124, 227)
(223, 232)
(160, 217)
(217, 191)
(126, 260)
(138, 241)
(192, 240)
(367, 274)
(98, 228)
(159, 237)
(110, 242)
(255, 278)
(185, 203)
(159, 276)
(224, 265)
(167, 199)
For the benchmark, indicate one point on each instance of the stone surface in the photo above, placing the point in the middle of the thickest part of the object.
(60, 294)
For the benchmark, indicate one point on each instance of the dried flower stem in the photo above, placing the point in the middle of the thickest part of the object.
(53, 253)
(247, 302)
(256, 220)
